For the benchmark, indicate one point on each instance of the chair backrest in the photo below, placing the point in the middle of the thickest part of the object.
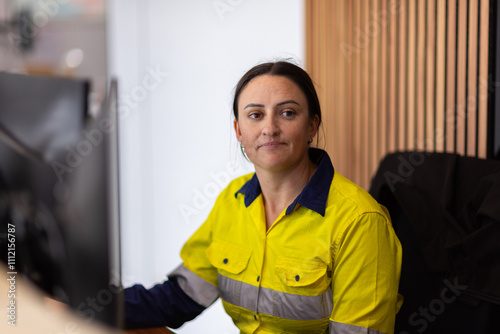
(441, 292)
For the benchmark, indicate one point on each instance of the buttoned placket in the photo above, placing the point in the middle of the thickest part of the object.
(258, 216)
(256, 210)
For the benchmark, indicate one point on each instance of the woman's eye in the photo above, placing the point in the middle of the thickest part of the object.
(288, 113)
(255, 115)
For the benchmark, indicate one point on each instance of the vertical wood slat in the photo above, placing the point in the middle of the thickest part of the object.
(398, 75)
(451, 74)
(336, 103)
(411, 74)
(373, 31)
(347, 12)
(383, 83)
(357, 161)
(428, 138)
(402, 94)
(420, 72)
(393, 67)
(363, 92)
(440, 74)
(483, 79)
(461, 103)
(371, 58)
(471, 96)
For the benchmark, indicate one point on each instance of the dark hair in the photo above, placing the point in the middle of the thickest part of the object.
(287, 70)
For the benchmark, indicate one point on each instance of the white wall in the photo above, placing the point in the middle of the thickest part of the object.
(177, 63)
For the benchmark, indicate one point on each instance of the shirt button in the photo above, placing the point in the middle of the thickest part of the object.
(297, 278)
(258, 278)
(225, 261)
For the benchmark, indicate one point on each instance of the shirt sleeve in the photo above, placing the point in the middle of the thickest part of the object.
(367, 267)
(165, 304)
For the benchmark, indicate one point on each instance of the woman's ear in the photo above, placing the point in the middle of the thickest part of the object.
(314, 125)
(237, 130)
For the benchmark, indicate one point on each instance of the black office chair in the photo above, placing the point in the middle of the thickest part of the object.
(445, 211)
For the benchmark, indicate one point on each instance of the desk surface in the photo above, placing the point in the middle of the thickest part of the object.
(33, 313)
(161, 330)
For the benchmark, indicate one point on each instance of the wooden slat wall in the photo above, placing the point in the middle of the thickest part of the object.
(398, 75)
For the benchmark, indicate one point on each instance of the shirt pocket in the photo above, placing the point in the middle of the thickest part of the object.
(302, 276)
(231, 262)
(228, 258)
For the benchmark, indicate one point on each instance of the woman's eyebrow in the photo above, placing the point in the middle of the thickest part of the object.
(257, 105)
(287, 102)
(252, 105)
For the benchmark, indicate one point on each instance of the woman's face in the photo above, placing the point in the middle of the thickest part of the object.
(273, 123)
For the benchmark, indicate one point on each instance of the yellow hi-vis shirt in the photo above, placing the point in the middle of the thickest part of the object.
(330, 263)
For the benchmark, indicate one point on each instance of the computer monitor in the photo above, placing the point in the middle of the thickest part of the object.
(91, 214)
(59, 188)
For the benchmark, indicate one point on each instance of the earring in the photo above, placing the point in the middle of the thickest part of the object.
(310, 140)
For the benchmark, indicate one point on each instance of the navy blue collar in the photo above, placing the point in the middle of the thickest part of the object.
(315, 193)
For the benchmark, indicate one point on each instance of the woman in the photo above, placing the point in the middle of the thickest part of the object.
(293, 248)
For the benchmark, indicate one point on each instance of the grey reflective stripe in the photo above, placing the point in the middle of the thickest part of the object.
(297, 307)
(238, 293)
(201, 291)
(340, 328)
(276, 303)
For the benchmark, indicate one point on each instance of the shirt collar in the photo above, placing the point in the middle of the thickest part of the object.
(315, 193)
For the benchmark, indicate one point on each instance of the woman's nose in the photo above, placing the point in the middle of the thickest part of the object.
(270, 126)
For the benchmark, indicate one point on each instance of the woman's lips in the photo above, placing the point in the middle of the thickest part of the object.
(271, 144)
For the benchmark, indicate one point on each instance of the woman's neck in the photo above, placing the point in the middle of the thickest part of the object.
(279, 189)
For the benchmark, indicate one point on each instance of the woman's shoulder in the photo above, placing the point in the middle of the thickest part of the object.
(347, 193)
